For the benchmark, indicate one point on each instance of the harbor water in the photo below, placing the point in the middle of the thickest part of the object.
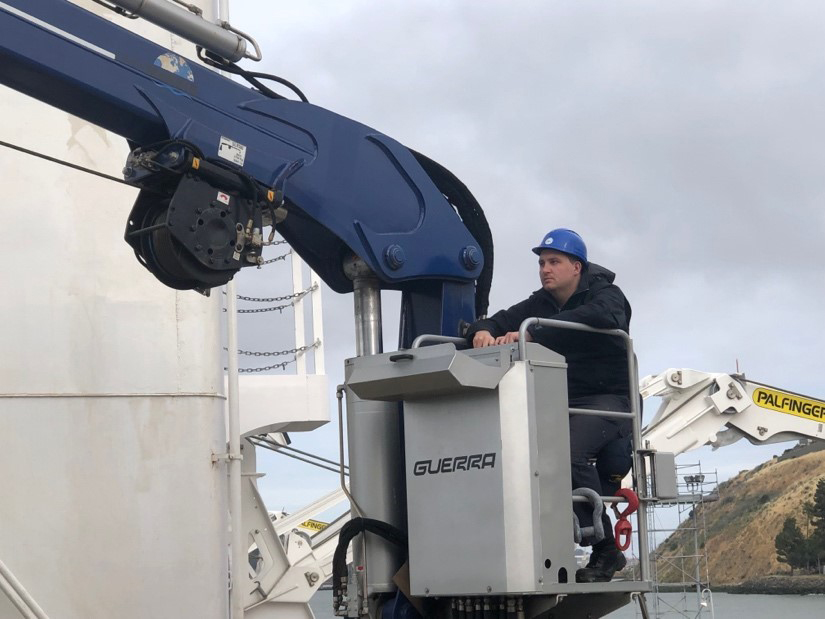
(725, 606)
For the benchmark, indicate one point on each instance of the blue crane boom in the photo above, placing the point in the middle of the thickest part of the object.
(217, 162)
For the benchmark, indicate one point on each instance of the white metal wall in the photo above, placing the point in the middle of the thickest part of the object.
(111, 399)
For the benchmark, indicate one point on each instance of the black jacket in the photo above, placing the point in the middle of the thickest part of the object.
(596, 364)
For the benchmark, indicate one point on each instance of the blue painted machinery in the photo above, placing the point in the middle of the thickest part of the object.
(219, 163)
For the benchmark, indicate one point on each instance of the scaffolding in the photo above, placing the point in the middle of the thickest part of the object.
(679, 566)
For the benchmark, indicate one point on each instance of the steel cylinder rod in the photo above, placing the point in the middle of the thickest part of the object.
(192, 27)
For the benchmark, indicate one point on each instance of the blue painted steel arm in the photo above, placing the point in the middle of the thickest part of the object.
(357, 189)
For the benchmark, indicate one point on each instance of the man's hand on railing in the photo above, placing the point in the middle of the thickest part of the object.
(485, 338)
(512, 338)
(482, 339)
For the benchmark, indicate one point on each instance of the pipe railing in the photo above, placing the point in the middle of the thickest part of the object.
(438, 339)
(605, 499)
(633, 391)
(18, 596)
(598, 413)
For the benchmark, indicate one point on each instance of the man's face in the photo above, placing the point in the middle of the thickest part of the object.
(558, 272)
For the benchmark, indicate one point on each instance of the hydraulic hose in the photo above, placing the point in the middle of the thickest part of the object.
(345, 536)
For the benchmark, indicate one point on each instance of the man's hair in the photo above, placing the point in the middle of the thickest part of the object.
(574, 259)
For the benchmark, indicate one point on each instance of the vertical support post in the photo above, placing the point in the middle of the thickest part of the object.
(638, 464)
(238, 549)
(367, 317)
(697, 572)
(300, 329)
(375, 451)
(367, 299)
(223, 10)
(237, 546)
(317, 323)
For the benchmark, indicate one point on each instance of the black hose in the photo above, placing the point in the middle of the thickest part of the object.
(345, 536)
(252, 77)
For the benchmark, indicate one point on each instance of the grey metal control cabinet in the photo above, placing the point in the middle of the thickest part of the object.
(487, 465)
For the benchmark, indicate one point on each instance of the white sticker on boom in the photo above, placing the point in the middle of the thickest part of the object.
(223, 197)
(232, 151)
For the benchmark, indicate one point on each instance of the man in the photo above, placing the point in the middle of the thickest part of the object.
(575, 290)
(613, 463)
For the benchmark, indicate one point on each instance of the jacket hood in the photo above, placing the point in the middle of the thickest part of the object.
(597, 272)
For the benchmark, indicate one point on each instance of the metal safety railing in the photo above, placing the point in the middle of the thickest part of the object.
(18, 596)
(634, 414)
(438, 339)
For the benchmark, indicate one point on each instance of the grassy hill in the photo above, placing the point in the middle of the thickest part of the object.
(741, 526)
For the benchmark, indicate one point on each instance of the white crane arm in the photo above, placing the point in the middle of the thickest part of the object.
(703, 408)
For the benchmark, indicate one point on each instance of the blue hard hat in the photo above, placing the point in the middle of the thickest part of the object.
(563, 240)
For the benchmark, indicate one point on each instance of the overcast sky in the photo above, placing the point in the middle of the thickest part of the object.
(683, 140)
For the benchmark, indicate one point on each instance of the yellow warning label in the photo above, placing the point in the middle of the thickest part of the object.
(313, 525)
(789, 404)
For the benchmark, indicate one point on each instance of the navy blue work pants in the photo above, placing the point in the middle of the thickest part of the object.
(589, 435)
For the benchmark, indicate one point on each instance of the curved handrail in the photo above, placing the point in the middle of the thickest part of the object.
(18, 596)
(439, 339)
(633, 385)
(563, 324)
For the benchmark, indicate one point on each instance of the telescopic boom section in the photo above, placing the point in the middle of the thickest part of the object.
(217, 162)
(704, 408)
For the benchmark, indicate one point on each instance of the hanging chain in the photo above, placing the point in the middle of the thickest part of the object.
(279, 353)
(293, 298)
(277, 366)
(294, 295)
(277, 258)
